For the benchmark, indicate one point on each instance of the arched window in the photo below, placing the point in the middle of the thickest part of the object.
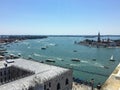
(31, 88)
(66, 82)
(49, 84)
(58, 86)
(44, 87)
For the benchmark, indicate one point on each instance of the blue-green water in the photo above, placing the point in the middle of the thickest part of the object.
(61, 48)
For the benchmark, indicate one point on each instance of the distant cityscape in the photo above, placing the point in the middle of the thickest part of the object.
(14, 68)
(100, 42)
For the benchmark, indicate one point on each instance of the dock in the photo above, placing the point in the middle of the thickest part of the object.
(113, 82)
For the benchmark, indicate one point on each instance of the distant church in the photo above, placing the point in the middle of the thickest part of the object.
(99, 40)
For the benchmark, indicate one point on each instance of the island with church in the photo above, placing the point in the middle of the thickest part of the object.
(105, 43)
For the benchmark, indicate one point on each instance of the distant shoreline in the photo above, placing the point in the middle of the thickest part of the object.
(86, 36)
(15, 38)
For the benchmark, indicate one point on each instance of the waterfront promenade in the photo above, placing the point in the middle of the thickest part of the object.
(113, 82)
(77, 86)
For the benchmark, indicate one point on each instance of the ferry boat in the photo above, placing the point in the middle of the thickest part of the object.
(43, 48)
(49, 60)
(75, 59)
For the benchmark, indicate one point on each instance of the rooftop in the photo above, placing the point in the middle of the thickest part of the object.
(43, 72)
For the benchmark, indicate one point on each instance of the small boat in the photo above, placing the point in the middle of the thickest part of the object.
(112, 58)
(94, 59)
(12, 56)
(29, 57)
(106, 67)
(75, 59)
(10, 61)
(43, 48)
(1, 57)
(49, 60)
(42, 62)
(16, 41)
(19, 54)
(74, 50)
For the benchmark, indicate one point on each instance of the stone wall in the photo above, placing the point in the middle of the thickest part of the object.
(61, 82)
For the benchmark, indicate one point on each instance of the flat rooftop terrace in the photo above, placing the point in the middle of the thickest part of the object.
(42, 73)
(113, 82)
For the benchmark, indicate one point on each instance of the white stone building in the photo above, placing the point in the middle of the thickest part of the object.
(30, 75)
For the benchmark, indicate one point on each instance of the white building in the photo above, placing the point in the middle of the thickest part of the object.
(30, 75)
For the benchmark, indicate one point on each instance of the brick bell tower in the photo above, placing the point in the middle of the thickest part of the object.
(99, 37)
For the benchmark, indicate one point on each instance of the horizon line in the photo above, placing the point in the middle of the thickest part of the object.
(59, 35)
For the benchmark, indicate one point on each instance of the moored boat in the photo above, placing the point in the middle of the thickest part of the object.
(10, 61)
(12, 56)
(1, 57)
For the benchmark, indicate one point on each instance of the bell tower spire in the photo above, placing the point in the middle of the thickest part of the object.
(99, 37)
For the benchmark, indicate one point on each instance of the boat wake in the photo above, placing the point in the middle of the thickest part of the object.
(76, 65)
(60, 59)
(93, 64)
(84, 61)
(98, 65)
(38, 55)
(52, 44)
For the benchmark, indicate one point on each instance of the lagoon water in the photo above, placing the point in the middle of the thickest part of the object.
(61, 49)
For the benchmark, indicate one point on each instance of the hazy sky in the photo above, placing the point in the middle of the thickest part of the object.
(67, 17)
